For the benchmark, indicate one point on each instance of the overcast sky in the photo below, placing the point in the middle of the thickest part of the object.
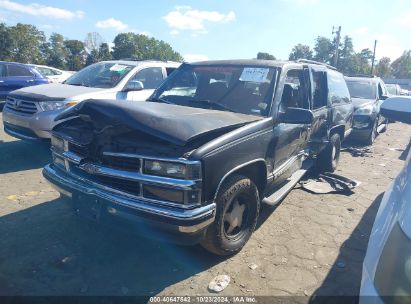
(216, 29)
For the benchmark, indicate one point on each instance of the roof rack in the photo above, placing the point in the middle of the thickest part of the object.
(317, 62)
(362, 75)
(146, 60)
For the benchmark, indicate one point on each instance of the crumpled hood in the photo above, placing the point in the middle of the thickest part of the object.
(173, 123)
(53, 91)
(361, 102)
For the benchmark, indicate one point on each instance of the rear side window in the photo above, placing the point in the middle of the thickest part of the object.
(2, 70)
(17, 71)
(319, 89)
(337, 88)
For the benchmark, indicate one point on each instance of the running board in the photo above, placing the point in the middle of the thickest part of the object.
(278, 195)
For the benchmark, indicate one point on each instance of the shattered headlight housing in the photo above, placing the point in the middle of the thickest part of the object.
(178, 170)
(365, 110)
(56, 105)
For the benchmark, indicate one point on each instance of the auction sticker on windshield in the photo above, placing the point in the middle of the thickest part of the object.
(254, 74)
(118, 68)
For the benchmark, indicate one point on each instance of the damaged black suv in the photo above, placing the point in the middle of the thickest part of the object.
(197, 159)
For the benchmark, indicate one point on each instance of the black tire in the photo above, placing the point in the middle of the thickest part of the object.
(237, 191)
(327, 160)
(369, 140)
(385, 125)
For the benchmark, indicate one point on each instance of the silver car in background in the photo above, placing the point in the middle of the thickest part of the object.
(29, 112)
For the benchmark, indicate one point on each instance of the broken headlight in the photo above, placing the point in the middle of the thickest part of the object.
(173, 169)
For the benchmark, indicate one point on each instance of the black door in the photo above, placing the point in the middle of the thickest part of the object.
(291, 139)
(319, 97)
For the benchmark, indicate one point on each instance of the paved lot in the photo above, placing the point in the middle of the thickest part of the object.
(45, 250)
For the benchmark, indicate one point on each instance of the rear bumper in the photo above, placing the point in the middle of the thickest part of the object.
(178, 225)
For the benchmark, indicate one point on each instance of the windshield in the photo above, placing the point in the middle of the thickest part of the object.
(361, 89)
(100, 75)
(239, 89)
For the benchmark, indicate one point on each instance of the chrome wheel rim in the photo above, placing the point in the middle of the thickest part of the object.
(235, 218)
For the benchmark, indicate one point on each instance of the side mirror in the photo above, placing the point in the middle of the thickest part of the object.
(384, 97)
(397, 108)
(134, 85)
(296, 116)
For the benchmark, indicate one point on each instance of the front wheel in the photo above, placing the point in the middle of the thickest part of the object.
(238, 206)
(327, 160)
(373, 133)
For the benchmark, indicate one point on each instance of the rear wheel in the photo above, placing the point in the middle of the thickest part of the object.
(238, 206)
(327, 160)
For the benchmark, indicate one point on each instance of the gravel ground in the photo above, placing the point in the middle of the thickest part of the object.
(309, 244)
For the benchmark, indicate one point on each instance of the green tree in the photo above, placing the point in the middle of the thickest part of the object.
(57, 52)
(141, 47)
(323, 49)
(364, 61)
(265, 56)
(93, 57)
(27, 44)
(301, 51)
(347, 61)
(383, 68)
(104, 52)
(76, 57)
(5, 43)
(402, 66)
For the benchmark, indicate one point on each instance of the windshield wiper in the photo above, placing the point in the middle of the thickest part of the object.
(159, 99)
(213, 103)
(77, 84)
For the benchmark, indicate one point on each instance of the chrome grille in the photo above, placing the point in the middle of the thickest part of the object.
(121, 162)
(21, 106)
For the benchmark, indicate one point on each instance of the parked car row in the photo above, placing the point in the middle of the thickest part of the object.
(14, 76)
(29, 112)
(212, 142)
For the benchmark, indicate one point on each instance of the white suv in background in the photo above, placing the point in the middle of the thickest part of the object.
(29, 112)
(53, 74)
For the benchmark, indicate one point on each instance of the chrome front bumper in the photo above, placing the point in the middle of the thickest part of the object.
(183, 221)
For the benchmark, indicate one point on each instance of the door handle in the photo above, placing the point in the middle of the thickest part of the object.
(1, 81)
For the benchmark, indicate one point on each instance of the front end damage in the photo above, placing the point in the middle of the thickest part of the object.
(113, 170)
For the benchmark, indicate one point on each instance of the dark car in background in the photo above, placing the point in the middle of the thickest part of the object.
(215, 140)
(367, 94)
(15, 76)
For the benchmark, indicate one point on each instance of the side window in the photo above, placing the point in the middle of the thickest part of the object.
(170, 70)
(294, 93)
(150, 77)
(2, 70)
(319, 89)
(55, 72)
(17, 71)
(337, 88)
(382, 91)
